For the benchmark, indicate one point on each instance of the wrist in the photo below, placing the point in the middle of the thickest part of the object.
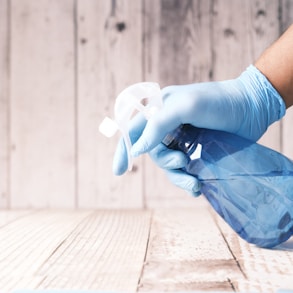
(264, 105)
(275, 103)
(276, 63)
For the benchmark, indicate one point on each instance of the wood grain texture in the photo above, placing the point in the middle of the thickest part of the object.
(177, 51)
(231, 38)
(63, 63)
(109, 59)
(187, 253)
(105, 253)
(42, 104)
(4, 103)
(167, 250)
(240, 34)
(241, 31)
(265, 270)
(27, 242)
(74, 250)
(185, 48)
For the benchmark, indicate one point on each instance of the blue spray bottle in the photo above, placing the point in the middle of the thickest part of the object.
(250, 186)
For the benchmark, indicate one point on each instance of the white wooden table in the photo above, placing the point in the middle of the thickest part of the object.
(135, 250)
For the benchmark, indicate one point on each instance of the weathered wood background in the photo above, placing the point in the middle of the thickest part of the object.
(63, 62)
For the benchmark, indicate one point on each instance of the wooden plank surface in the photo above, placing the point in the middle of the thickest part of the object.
(109, 59)
(240, 35)
(105, 252)
(42, 104)
(62, 63)
(9, 216)
(28, 242)
(4, 102)
(188, 249)
(266, 270)
(188, 253)
(177, 51)
(74, 250)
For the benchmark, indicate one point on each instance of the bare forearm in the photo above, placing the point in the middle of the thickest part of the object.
(276, 63)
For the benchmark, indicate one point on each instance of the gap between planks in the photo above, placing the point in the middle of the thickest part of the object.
(134, 250)
(85, 250)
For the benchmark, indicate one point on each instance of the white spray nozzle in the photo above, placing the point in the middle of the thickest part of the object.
(108, 127)
(143, 97)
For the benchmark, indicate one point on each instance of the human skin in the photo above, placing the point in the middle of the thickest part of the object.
(276, 63)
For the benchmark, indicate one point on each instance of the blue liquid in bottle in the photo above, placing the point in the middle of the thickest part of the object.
(249, 185)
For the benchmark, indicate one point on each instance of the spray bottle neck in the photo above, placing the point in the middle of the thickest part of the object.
(142, 97)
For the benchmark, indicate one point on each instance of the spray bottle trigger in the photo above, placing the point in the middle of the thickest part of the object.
(144, 97)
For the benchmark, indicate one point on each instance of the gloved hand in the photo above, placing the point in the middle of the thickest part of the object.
(245, 106)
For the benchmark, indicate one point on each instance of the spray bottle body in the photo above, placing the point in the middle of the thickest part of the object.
(250, 186)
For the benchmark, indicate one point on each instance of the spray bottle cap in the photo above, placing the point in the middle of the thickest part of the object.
(144, 97)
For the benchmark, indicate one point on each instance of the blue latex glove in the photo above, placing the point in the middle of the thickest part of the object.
(245, 106)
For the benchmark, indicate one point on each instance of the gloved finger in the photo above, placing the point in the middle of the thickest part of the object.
(185, 181)
(168, 159)
(157, 127)
(120, 161)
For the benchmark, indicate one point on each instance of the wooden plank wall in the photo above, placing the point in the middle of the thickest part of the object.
(4, 97)
(62, 63)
